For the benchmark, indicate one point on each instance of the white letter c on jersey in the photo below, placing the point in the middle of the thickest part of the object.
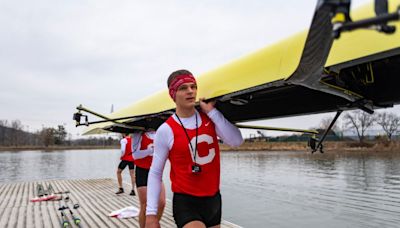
(211, 152)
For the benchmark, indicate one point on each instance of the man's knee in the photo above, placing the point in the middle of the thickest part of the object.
(132, 172)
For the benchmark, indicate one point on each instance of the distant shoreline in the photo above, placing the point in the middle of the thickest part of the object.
(250, 146)
(55, 148)
(329, 146)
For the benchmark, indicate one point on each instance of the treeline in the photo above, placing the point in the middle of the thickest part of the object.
(361, 123)
(358, 123)
(12, 134)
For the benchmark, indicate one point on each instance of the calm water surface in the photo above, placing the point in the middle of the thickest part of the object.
(259, 189)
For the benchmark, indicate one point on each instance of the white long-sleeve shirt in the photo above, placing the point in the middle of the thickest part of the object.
(164, 141)
(123, 143)
(136, 152)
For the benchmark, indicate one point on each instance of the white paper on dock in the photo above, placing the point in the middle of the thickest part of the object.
(126, 212)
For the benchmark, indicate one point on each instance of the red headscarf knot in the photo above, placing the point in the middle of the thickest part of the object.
(178, 81)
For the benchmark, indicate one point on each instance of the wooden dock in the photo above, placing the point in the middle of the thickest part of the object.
(96, 198)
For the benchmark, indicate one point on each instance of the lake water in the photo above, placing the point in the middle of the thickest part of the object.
(259, 189)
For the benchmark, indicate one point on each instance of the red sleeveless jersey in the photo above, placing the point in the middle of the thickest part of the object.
(128, 150)
(145, 144)
(183, 180)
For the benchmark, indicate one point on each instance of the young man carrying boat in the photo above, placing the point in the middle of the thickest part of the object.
(189, 140)
(126, 160)
(143, 156)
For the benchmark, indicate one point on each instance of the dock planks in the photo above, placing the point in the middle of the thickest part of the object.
(96, 198)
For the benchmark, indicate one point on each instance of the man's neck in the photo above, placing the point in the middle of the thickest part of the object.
(185, 113)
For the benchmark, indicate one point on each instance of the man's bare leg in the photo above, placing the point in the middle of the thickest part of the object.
(133, 182)
(142, 193)
(194, 224)
(119, 178)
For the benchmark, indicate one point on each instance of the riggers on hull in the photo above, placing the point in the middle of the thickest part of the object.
(308, 73)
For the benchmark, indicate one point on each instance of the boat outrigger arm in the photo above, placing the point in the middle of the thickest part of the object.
(330, 20)
(313, 140)
(312, 132)
(332, 17)
(78, 115)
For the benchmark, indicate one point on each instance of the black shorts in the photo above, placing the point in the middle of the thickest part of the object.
(187, 208)
(141, 175)
(123, 164)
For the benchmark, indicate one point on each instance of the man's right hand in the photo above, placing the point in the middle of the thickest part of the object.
(152, 221)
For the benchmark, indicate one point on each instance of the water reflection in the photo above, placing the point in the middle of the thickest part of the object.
(44, 165)
(259, 189)
(287, 189)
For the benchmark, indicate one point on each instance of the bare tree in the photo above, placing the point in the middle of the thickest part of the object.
(59, 135)
(3, 135)
(47, 136)
(325, 122)
(16, 133)
(389, 122)
(4, 123)
(360, 121)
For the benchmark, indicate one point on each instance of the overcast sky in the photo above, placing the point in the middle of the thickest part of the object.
(56, 55)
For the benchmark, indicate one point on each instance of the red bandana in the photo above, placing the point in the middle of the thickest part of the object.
(178, 81)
